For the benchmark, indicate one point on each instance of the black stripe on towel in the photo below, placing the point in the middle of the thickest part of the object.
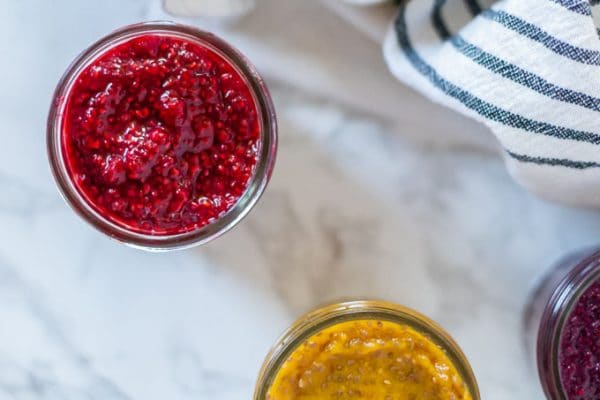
(579, 6)
(534, 32)
(523, 77)
(438, 20)
(473, 7)
(553, 161)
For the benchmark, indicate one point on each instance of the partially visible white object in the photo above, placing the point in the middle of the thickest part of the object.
(366, 2)
(372, 21)
(208, 8)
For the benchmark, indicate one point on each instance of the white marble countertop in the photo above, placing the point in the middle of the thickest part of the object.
(354, 209)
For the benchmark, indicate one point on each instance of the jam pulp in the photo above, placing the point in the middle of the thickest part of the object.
(580, 348)
(161, 134)
(368, 359)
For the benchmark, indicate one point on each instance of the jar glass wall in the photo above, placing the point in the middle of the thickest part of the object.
(556, 306)
(194, 135)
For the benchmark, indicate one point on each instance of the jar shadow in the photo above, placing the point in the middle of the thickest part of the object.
(338, 222)
(318, 234)
(316, 237)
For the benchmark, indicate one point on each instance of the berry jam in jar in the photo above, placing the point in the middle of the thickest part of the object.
(579, 356)
(162, 136)
(565, 308)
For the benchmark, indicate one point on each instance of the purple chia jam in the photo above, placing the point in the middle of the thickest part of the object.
(580, 348)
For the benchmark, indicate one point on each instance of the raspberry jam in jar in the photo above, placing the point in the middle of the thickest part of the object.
(162, 136)
(366, 350)
(565, 309)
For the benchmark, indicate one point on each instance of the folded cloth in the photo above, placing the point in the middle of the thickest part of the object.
(528, 69)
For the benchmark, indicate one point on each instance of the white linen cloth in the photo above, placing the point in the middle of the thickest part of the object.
(527, 69)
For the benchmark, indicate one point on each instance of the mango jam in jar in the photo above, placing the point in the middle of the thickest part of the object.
(366, 350)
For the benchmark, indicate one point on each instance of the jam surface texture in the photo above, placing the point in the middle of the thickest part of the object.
(160, 134)
(580, 348)
(368, 359)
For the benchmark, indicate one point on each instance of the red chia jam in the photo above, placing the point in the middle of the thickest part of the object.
(161, 134)
(580, 348)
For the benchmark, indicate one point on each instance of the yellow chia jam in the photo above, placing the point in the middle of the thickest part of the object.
(369, 358)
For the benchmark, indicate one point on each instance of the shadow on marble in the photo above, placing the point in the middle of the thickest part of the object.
(353, 210)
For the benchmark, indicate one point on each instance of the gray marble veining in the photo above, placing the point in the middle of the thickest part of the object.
(353, 210)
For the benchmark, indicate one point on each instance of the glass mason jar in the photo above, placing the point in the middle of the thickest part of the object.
(266, 152)
(328, 316)
(548, 311)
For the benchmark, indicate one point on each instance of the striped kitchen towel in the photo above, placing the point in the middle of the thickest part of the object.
(528, 69)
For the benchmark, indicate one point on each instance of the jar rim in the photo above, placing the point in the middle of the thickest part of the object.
(556, 314)
(317, 320)
(256, 186)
